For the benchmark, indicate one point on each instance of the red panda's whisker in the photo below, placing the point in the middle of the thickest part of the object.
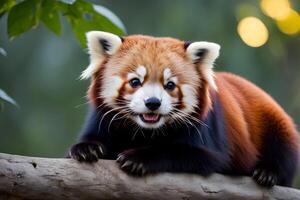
(189, 122)
(136, 131)
(185, 119)
(192, 117)
(153, 133)
(178, 104)
(162, 130)
(121, 100)
(178, 120)
(85, 103)
(113, 118)
(114, 109)
(180, 117)
(125, 115)
(82, 104)
(102, 105)
(143, 133)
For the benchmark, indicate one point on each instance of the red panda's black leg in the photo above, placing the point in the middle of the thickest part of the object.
(91, 146)
(264, 177)
(87, 151)
(278, 161)
(173, 158)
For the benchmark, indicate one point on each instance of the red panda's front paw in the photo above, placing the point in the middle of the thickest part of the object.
(87, 151)
(265, 178)
(131, 162)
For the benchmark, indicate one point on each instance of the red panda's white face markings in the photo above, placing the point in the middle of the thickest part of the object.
(152, 81)
(151, 101)
(110, 88)
(139, 74)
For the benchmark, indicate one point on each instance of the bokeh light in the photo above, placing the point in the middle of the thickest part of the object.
(276, 9)
(291, 24)
(253, 31)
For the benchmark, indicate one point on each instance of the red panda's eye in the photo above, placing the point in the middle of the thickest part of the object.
(170, 86)
(135, 82)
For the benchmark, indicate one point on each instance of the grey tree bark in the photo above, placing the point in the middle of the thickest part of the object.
(46, 178)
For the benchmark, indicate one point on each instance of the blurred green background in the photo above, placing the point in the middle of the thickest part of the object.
(41, 69)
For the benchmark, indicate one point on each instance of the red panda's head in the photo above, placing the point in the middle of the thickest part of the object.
(152, 81)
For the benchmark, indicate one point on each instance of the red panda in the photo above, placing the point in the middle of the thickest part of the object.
(157, 106)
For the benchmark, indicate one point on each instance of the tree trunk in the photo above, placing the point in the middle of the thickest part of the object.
(44, 178)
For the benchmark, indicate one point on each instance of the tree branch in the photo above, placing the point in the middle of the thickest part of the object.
(43, 178)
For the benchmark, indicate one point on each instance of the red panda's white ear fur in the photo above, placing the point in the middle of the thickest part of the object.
(100, 44)
(205, 54)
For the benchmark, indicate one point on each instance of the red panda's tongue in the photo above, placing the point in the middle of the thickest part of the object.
(151, 117)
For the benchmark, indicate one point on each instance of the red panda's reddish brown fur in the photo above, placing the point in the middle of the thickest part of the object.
(260, 135)
(249, 112)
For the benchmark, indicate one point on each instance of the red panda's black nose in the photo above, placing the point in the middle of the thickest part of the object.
(152, 103)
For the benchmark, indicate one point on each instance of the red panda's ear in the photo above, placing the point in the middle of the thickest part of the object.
(100, 44)
(204, 54)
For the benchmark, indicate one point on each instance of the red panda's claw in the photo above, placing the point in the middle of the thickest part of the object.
(86, 152)
(127, 164)
(265, 178)
(255, 173)
(130, 162)
(120, 158)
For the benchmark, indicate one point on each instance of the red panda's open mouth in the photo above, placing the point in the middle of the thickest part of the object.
(150, 117)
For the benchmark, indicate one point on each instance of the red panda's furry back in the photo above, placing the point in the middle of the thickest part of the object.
(157, 106)
(257, 127)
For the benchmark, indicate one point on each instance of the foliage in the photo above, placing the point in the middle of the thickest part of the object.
(2, 52)
(3, 95)
(6, 98)
(83, 16)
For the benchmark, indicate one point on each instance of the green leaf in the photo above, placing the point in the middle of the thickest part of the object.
(23, 17)
(7, 98)
(110, 15)
(6, 5)
(68, 1)
(3, 52)
(107, 21)
(84, 17)
(50, 16)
